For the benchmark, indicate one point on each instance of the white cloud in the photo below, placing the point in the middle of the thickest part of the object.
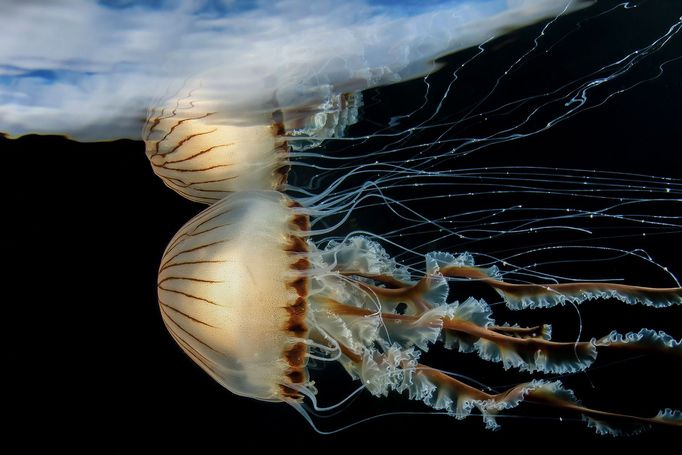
(90, 71)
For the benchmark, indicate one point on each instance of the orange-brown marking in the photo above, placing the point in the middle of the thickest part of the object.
(300, 285)
(301, 222)
(301, 264)
(296, 245)
(281, 173)
(296, 354)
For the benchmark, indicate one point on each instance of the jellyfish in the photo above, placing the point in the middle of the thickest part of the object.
(253, 293)
(251, 299)
(249, 289)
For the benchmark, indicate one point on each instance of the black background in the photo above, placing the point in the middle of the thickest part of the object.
(88, 358)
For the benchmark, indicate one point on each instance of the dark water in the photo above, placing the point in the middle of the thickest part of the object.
(88, 356)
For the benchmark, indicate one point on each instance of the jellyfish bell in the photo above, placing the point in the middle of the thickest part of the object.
(250, 298)
(233, 298)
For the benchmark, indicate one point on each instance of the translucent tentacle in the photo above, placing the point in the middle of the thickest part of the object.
(543, 331)
(522, 296)
(668, 415)
(648, 339)
(392, 368)
(459, 398)
(516, 296)
(527, 354)
(469, 327)
(380, 322)
(429, 292)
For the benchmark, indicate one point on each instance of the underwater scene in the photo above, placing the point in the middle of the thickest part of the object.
(452, 223)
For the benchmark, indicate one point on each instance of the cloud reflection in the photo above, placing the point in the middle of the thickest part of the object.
(90, 70)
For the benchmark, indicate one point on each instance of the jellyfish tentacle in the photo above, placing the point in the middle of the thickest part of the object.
(547, 393)
(395, 369)
(543, 331)
(522, 296)
(609, 423)
(645, 339)
(536, 353)
(459, 399)
(530, 353)
(469, 327)
(385, 279)
(417, 296)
